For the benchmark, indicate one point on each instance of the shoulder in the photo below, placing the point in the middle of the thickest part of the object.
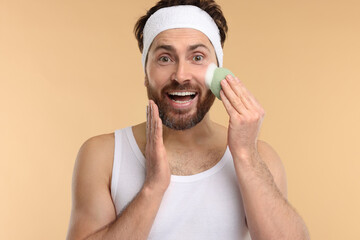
(96, 155)
(268, 153)
(274, 163)
(92, 205)
(99, 144)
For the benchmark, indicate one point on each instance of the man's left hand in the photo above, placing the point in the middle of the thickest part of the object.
(246, 116)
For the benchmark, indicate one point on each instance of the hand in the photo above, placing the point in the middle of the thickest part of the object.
(246, 116)
(157, 167)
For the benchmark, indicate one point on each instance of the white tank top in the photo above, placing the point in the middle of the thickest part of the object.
(207, 205)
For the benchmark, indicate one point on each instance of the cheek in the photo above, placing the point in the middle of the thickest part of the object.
(156, 80)
(199, 74)
(158, 76)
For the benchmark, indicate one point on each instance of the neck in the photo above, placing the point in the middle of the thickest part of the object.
(197, 135)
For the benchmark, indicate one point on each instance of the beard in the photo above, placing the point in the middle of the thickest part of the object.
(181, 119)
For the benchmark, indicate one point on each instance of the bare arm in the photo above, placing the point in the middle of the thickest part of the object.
(135, 221)
(259, 170)
(262, 182)
(93, 214)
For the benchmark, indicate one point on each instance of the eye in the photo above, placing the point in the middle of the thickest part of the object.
(198, 58)
(164, 59)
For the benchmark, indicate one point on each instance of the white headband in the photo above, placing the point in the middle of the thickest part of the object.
(181, 16)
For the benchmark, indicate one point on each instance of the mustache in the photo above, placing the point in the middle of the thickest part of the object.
(177, 86)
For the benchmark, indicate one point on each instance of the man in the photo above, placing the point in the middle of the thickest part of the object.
(179, 175)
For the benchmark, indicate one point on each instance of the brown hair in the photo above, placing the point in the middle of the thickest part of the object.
(209, 6)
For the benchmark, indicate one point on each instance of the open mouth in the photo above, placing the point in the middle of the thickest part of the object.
(182, 97)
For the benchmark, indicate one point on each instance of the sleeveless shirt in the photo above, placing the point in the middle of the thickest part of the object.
(207, 205)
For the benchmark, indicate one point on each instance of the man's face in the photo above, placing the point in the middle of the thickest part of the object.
(175, 76)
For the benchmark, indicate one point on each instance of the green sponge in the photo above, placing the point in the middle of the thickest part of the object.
(213, 77)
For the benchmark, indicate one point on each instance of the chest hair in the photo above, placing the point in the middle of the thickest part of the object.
(190, 162)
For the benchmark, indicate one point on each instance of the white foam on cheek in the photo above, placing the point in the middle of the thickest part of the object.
(209, 74)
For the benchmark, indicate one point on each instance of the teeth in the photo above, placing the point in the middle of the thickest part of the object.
(182, 93)
(181, 101)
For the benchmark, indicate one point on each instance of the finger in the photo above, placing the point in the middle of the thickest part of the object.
(158, 122)
(147, 123)
(250, 98)
(228, 107)
(234, 100)
(155, 119)
(240, 90)
(150, 127)
(152, 120)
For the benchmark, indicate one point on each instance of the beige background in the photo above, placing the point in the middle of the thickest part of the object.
(70, 70)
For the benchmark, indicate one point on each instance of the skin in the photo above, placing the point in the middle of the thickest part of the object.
(260, 173)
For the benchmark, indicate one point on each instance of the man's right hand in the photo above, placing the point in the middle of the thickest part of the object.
(94, 215)
(158, 173)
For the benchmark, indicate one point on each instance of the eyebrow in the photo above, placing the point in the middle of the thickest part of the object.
(165, 47)
(172, 49)
(195, 46)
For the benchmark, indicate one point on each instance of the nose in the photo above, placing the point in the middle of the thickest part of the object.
(182, 72)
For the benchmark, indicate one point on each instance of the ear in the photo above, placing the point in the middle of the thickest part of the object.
(146, 81)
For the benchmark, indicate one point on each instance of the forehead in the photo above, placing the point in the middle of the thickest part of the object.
(181, 37)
